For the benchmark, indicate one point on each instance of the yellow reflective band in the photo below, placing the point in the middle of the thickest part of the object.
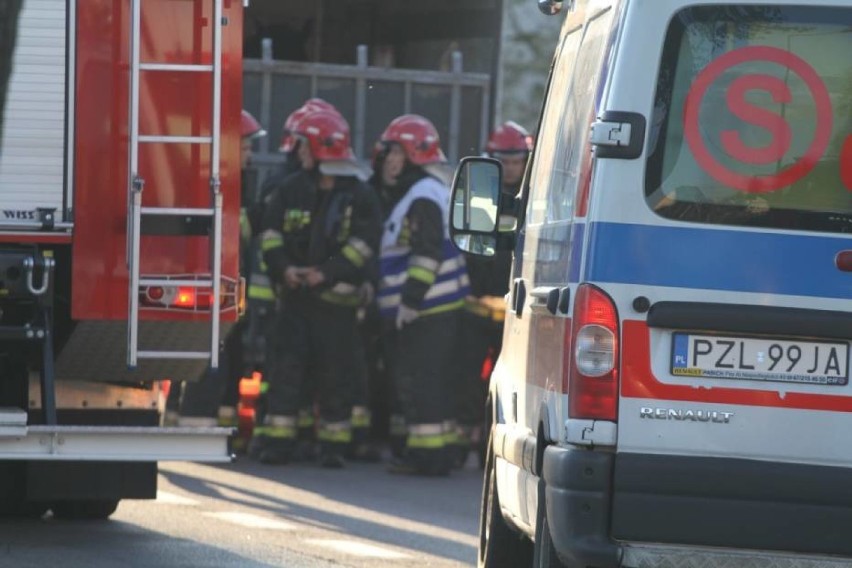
(352, 255)
(432, 442)
(335, 436)
(445, 308)
(275, 431)
(245, 225)
(360, 421)
(418, 273)
(453, 438)
(305, 421)
(270, 243)
(264, 387)
(339, 299)
(227, 422)
(257, 292)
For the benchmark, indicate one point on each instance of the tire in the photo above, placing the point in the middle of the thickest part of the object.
(499, 545)
(21, 509)
(544, 555)
(91, 510)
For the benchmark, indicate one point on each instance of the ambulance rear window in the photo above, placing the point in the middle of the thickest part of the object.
(752, 122)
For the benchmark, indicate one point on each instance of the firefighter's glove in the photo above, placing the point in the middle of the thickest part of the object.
(313, 277)
(405, 316)
(293, 277)
(366, 293)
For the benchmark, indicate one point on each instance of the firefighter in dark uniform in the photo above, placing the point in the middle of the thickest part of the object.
(213, 400)
(485, 307)
(421, 292)
(320, 231)
(262, 296)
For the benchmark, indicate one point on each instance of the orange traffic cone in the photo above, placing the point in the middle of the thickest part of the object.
(250, 388)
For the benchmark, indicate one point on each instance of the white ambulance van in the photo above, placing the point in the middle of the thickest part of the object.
(674, 385)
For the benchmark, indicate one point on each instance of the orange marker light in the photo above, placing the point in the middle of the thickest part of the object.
(185, 298)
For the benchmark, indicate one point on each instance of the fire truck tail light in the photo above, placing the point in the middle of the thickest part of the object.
(155, 293)
(185, 298)
(191, 298)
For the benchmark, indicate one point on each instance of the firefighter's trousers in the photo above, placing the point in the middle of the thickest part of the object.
(314, 342)
(420, 360)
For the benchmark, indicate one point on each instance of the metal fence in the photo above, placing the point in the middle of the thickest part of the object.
(369, 97)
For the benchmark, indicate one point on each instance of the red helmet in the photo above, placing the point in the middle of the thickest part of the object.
(321, 104)
(250, 127)
(288, 141)
(418, 137)
(509, 138)
(327, 134)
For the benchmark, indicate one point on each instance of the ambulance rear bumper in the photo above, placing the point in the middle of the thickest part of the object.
(732, 503)
(610, 510)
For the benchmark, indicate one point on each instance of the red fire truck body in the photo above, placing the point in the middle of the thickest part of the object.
(119, 226)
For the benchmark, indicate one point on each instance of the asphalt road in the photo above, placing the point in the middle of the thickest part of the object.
(249, 515)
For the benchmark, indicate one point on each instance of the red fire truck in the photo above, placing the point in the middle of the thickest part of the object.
(119, 214)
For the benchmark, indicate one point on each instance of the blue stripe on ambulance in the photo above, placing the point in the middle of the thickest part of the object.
(716, 259)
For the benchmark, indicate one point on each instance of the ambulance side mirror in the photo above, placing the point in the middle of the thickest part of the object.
(475, 205)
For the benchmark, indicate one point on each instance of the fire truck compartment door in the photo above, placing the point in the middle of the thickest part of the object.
(34, 130)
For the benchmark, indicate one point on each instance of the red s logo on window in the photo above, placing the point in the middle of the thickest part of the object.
(782, 134)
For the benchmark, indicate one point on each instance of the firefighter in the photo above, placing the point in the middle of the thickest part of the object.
(261, 293)
(320, 231)
(422, 289)
(213, 399)
(482, 320)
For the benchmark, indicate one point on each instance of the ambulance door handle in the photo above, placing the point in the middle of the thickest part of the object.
(519, 296)
(547, 296)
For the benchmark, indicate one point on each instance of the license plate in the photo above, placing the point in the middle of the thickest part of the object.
(758, 359)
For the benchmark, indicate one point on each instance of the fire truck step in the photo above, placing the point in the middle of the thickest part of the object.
(13, 422)
(119, 444)
(174, 67)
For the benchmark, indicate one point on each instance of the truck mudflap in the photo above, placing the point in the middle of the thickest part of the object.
(18, 441)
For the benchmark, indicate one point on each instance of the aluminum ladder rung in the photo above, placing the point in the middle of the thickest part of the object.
(178, 67)
(173, 354)
(165, 139)
(182, 282)
(179, 211)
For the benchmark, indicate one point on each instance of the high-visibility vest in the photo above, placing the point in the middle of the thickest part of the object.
(448, 279)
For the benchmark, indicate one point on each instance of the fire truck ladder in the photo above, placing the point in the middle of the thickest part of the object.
(137, 183)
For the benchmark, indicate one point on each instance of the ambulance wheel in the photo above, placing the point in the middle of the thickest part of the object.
(91, 510)
(544, 555)
(499, 545)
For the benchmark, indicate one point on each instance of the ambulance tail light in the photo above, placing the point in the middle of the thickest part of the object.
(593, 357)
